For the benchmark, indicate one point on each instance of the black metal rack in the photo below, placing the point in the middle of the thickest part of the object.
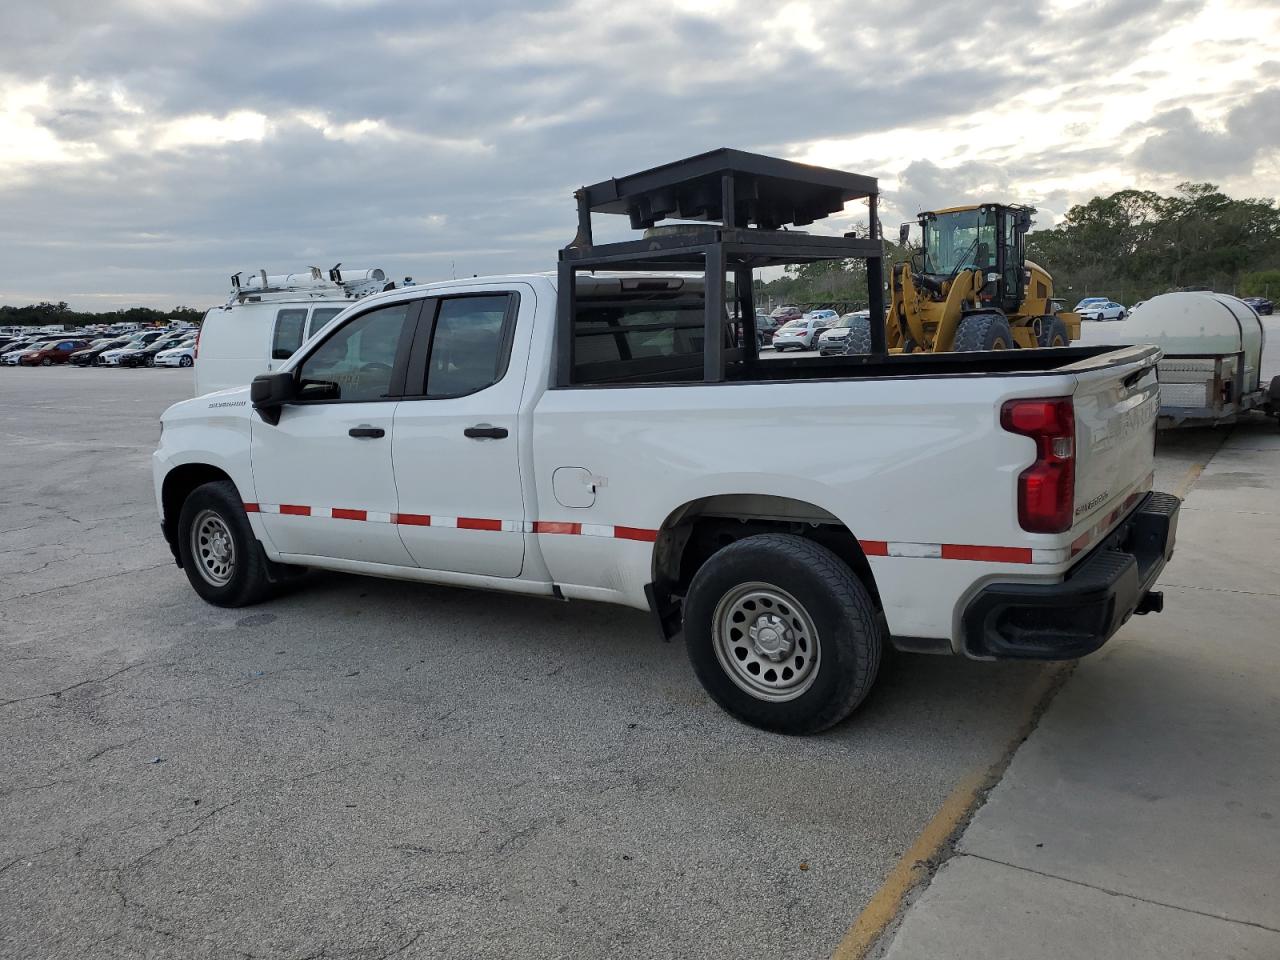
(753, 198)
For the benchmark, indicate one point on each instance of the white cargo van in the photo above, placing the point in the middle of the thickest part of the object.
(267, 318)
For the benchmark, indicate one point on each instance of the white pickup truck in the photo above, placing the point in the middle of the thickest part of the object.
(790, 520)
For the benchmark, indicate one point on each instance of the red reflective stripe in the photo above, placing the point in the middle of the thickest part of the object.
(250, 508)
(964, 551)
(411, 519)
(478, 523)
(635, 533)
(875, 548)
(340, 513)
(295, 510)
(554, 526)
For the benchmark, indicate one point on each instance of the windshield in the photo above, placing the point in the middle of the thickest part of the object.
(956, 241)
(795, 325)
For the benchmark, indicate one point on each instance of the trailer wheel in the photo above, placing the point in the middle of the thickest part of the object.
(983, 331)
(782, 634)
(859, 339)
(1053, 332)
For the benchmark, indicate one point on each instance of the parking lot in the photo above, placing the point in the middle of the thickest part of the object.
(367, 768)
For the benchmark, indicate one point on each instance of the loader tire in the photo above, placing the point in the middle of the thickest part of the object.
(1053, 332)
(859, 340)
(984, 331)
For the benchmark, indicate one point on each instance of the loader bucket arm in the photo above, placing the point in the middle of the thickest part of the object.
(961, 292)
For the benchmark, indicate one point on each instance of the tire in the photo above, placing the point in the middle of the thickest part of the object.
(983, 331)
(185, 362)
(1053, 332)
(46, 362)
(831, 615)
(859, 339)
(215, 511)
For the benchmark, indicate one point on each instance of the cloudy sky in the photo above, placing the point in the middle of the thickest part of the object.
(150, 148)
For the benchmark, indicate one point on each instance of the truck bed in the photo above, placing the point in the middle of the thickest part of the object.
(739, 369)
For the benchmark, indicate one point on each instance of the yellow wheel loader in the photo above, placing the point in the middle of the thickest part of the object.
(971, 288)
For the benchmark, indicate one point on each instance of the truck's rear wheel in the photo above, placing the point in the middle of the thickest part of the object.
(782, 634)
(219, 552)
(984, 331)
(1053, 332)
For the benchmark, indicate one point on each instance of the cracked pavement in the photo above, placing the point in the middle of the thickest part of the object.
(365, 769)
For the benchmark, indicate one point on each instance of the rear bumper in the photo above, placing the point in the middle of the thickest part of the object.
(1062, 621)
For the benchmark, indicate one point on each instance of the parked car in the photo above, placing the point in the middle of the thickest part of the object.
(12, 355)
(89, 356)
(59, 351)
(1089, 301)
(1102, 310)
(787, 313)
(183, 355)
(800, 334)
(1261, 305)
(111, 358)
(787, 578)
(834, 339)
(766, 327)
(145, 357)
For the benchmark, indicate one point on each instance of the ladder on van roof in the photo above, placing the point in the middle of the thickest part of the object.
(338, 284)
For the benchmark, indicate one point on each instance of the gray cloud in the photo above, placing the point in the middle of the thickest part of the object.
(490, 114)
(1181, 144)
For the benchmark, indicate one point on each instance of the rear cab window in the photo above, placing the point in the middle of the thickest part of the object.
(641, 335)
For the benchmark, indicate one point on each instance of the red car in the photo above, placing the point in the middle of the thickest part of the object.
(47, 356)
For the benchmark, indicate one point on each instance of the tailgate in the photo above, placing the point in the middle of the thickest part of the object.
(1115, 411)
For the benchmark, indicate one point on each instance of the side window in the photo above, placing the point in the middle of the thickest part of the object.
(320, 318)
(288, 334)
(470, 346)
(355, 363)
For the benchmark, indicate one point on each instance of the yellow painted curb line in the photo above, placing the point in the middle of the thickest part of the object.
(909, 871)
(918, 862)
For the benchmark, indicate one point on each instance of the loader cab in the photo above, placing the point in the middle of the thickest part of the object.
(987, 237)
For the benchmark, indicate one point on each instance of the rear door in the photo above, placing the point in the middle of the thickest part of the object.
(456, 446)
(1115, 408)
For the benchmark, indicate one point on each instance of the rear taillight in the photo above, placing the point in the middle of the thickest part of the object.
(1046, 489)
(195, 351)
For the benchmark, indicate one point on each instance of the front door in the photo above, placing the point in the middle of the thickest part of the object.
(323, 474)
(456, 447)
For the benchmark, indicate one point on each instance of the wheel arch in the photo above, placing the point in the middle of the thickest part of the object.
(177, 485)
(694, 531)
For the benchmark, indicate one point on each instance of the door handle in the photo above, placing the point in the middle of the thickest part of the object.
(364, 430)
(483, 431)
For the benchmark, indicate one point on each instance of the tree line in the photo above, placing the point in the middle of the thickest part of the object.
(45, 313)
(1128, 246)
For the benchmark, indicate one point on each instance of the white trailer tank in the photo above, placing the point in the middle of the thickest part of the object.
(1212, 360)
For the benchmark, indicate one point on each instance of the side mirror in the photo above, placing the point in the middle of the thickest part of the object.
(269, 392)
(904, 234)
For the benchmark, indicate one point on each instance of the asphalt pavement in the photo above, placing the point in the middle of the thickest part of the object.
(366, 768)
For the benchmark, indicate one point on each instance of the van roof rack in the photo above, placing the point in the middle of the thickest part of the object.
(745, 201)
(333, 284)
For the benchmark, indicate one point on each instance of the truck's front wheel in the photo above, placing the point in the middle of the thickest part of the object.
(220, 554)
(782, 634)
